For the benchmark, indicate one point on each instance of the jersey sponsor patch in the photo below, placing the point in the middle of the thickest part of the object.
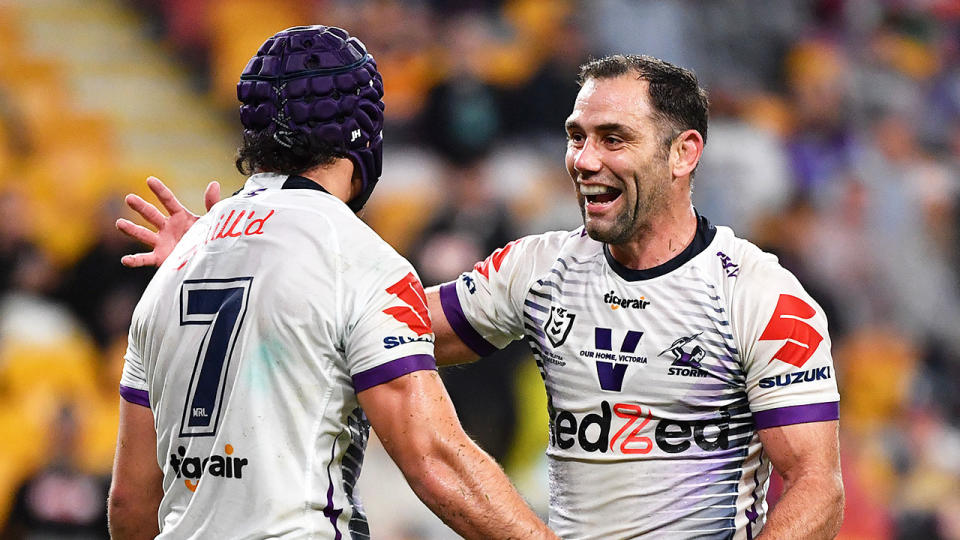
(192, 468)
(415, 314)
(495, 259)
(787, 322)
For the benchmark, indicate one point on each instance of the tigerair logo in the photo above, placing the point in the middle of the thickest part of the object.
(191, 468)
(627, 303)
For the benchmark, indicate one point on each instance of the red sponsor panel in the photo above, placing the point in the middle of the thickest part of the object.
(495, 259)
(415, 314)
(788, 323)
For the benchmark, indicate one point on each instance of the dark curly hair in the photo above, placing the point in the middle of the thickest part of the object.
(260, 152)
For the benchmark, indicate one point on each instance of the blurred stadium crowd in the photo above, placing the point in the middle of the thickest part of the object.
(834, 142)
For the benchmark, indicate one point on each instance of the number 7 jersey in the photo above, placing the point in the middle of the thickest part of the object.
(657, 380)
(249, 346)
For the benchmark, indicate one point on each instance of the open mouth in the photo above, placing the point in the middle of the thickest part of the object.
(599, 195)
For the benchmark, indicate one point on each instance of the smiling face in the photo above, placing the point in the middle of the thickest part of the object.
(618, 158)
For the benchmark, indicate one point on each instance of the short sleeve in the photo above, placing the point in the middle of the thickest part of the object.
(785, 349)
(485, 305)
(388, 329)
(133, 380)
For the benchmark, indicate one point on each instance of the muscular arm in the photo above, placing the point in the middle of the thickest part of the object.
(416, 423)
(449, 349)
(807, 456)
(137, 484)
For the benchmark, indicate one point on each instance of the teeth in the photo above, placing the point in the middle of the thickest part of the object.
(595, 189)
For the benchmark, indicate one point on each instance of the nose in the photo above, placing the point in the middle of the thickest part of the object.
(586, 159)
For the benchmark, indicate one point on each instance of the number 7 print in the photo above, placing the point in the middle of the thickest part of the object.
(220, 304)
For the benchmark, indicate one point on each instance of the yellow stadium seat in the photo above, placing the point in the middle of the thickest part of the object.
(237, 29)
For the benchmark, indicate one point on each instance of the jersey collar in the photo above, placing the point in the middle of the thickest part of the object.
(705, 233)
(298, 182)
(273, 181)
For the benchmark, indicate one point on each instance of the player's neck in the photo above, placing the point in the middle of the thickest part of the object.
(336, 178)
(669, 234)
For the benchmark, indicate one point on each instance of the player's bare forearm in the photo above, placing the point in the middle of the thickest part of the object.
(465, 487)
(449, 349)
(136, 486)
(808, 459)
(462, 485)
(809, 508)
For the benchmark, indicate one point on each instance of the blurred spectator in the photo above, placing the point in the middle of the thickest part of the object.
(101, 292)
(834, 142)
(60, 501)
(823, 143)
(14, 231)
(469, 225)
(745, 174)
(462, 115)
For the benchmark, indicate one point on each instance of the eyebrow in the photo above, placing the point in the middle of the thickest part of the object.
(604, 128)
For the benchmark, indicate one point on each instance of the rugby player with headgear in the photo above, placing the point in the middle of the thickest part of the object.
(280, 328)
(682, 364)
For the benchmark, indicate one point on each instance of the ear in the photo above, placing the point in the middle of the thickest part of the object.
(685, 153)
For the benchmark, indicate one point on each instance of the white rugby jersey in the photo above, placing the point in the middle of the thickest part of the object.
(249, 347)
(657, 380)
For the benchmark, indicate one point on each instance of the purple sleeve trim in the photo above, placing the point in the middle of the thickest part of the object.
(797, 414)
(458, 321)
(391, 370)
(137, 397)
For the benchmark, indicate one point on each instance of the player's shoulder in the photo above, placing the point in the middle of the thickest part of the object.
(555, 243)
(538, 252)
(749, 270)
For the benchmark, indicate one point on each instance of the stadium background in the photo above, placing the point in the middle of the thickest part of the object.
(834, 142)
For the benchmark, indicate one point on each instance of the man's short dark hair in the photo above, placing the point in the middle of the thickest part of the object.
(262, 152)
(675, 94)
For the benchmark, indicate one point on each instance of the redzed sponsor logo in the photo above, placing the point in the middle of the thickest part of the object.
(415, 314)
(591, 431)
(495, 259)
(787, 323)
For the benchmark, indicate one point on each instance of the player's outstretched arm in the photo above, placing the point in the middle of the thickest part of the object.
(448, 347)
(137, 484)
(170, 228)
(416, 422)
(807, 456)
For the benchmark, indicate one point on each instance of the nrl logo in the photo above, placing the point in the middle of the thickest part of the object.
(558, 325)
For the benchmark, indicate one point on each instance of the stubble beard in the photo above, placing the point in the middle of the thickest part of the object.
(634, 220)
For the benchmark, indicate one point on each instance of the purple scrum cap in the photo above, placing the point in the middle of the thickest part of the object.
(317, 83)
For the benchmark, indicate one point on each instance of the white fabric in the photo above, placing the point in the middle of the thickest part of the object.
(654, 381)
(279, 441)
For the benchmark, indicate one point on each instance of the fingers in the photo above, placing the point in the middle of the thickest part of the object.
(145, 209)
(212, 194)
(138, 260)
(165, 196)
(137, 232)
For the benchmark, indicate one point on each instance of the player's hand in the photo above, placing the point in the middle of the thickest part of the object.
(170, 229)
